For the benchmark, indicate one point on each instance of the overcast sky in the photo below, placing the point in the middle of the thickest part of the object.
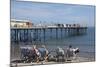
(53, 13)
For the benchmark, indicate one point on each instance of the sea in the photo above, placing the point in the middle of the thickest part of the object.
(85, 43)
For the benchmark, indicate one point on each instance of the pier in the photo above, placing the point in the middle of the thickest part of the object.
(41, 34)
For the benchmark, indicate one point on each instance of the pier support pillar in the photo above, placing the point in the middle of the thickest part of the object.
(61, 33)
(78, 32)
(51, 33)
(44, 34)
(65, 32)
(56, 33)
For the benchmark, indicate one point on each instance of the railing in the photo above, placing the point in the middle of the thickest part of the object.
(52, 26)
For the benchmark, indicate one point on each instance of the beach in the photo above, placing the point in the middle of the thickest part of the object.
(77, 60)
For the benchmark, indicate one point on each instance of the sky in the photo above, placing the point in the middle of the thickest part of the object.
(49, 13)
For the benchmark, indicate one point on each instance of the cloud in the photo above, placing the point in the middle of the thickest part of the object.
(52, 12)
(40, 11)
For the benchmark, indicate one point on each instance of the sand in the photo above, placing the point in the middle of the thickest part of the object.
(77, 60)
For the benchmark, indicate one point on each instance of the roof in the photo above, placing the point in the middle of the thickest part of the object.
(14, 20)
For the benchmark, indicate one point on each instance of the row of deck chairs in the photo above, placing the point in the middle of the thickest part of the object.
(59, 55)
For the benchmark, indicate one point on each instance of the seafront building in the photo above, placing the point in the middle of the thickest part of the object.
(21, 23)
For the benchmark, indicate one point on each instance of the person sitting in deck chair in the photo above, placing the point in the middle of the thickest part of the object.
(35, 54)
(60, 53)
(43, 53)
(25, 54)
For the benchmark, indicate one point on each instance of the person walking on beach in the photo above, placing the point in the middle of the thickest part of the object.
(69, 53)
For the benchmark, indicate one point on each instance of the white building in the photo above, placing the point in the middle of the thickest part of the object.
(21, 23)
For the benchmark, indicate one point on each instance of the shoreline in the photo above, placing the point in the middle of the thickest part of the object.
(77, 60)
